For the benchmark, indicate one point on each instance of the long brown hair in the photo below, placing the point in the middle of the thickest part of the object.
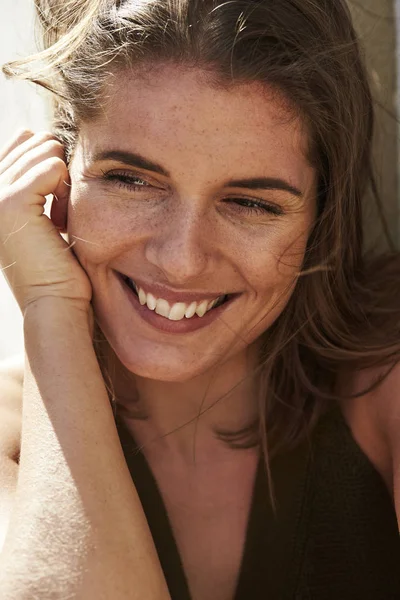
(345, 309)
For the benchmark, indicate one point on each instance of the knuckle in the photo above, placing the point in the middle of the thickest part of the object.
(23, 134)
(57, 146)
(44, 136)
(55, 162)
(53, 146)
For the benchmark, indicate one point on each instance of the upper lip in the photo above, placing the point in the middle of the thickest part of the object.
(159, 291)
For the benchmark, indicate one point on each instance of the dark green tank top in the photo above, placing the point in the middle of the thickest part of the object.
(334, 535)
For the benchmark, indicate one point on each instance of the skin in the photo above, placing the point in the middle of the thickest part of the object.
(188, 232)
(191, 240)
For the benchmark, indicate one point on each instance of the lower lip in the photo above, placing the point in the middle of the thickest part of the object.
(164, 324)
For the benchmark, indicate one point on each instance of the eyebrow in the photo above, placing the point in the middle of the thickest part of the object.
(140, 162)
(131, 159)
(265, 183)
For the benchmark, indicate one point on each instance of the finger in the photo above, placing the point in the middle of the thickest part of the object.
(21, 136)
(31, 158)
(49, 176)
(22, 148)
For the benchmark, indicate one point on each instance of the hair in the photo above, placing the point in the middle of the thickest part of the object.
(344, 311)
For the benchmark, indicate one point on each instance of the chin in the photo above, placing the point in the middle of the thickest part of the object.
(155, 363)
(168, 371)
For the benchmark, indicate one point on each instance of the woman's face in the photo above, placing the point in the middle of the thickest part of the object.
(194, 192)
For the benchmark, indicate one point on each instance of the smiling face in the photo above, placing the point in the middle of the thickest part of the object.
(194, 192)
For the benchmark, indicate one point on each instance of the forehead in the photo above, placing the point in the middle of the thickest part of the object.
(175, 112)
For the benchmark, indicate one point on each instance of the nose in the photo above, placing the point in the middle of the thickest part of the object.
(180, 248)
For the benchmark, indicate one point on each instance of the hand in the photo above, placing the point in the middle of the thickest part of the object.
(34, 258)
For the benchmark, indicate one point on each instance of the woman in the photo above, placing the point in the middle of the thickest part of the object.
(208, 162)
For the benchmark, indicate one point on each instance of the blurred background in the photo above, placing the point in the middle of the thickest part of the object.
(378, 23)
(21, 105)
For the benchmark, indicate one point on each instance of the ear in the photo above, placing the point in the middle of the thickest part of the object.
(59, 212)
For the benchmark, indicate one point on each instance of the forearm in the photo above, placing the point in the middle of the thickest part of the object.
(77, 529)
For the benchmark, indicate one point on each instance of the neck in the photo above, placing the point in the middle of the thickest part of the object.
(182, 419)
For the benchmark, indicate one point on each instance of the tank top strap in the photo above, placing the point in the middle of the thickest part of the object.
(156, 514)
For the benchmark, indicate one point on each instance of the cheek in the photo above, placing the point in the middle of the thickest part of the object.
(291, 254)
(97, 228)
(279, 259)
(104, 227)
(90, 234)
(274, 276)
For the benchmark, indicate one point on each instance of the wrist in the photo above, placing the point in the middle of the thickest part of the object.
(59, 312)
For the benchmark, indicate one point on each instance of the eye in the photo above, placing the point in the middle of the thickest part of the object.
(127, 180)
(254, 207)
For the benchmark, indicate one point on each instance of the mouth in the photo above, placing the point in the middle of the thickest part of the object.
(177, 311)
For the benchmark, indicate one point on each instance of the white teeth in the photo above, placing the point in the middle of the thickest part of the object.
(177, 311)
(142, 296)
(202, 308)
(191, 309)
(151, 302)
(163, 308)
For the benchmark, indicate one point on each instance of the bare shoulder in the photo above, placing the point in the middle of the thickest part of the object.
(374, 417)
(11, 380)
